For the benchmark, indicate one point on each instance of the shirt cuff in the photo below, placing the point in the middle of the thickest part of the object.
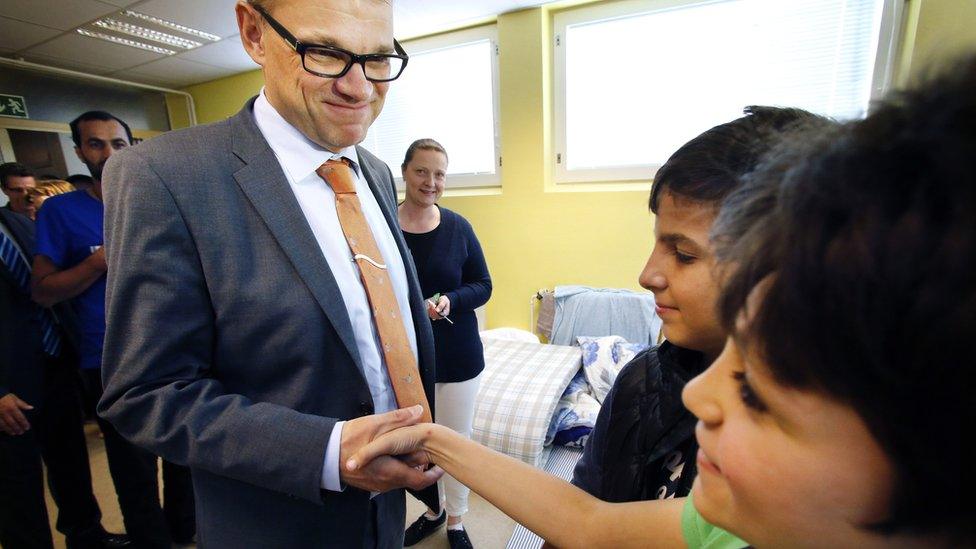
(330, 468)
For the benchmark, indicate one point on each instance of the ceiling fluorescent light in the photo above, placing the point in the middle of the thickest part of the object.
(125, 42)
(146, 34)
(172, 26)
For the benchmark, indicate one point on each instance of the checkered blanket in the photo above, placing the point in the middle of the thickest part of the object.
(520, 387)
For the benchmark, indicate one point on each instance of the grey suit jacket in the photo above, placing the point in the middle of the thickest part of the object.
(228, 347)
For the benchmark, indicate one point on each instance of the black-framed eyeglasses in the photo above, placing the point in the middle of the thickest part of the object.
(333, 62)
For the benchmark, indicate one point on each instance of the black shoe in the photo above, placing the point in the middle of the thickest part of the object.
(459, 539)
(421, 528)
(99, 539)
(115, 541)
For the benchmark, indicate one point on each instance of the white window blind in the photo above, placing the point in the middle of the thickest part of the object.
(447, 93)
(632, 88)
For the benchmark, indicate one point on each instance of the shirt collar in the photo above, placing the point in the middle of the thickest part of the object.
(298, 155)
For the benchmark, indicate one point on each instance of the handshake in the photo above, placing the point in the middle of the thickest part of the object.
(385, 452)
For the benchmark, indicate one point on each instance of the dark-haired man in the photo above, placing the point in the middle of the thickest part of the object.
(267, 357)
(69, 265)
(16, 180)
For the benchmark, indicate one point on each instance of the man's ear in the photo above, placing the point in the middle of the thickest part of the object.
(78, 153)
(251, 30)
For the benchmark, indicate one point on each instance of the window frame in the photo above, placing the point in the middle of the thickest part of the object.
(886, 56)
(447, 41)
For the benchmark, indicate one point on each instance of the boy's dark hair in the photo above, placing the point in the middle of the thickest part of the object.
(80, 179)
(707, 168)
(13, 169)
(864, 237)
(96, 115)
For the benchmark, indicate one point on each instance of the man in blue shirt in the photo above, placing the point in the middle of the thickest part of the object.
(70, 265)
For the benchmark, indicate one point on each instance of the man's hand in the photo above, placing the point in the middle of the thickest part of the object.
(12, 420)
(386, 472)
(97, 259)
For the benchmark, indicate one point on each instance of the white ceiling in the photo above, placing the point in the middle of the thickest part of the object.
(44, 32)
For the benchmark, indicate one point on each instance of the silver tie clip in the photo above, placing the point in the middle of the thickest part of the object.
(367, 258)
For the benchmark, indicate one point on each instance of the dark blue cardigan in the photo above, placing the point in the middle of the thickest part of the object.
(456, 268)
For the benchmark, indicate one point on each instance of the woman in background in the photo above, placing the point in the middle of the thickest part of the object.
(454, 278)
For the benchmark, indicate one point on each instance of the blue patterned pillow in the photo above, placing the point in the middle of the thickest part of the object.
(603, 358)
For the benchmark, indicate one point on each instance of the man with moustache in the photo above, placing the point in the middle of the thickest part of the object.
(243, 335)
(69, 265)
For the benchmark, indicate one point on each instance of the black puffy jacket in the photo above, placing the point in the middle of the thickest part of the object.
(643, 445)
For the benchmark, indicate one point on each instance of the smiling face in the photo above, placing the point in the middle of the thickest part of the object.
(424, 177)
(679, 272)
(333, 112)
(779, 466)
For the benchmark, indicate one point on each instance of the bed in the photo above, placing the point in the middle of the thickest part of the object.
(520, 388)
(524, 381)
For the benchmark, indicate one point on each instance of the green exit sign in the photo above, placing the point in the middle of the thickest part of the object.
(13, 106)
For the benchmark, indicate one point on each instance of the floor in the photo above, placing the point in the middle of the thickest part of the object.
(487, 527)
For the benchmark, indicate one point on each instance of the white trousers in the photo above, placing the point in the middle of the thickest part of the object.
(454, 408)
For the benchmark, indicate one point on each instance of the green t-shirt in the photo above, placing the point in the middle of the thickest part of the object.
(702, 535)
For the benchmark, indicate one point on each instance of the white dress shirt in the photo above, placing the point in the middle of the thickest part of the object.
(299, 158)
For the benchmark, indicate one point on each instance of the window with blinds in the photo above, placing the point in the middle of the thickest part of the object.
(636, 80)
(448, 93)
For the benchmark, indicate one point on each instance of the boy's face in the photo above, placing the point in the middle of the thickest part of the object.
(679, 272)
(778, 466)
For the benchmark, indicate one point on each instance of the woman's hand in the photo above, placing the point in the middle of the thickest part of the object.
(443, 306)
(439, 309)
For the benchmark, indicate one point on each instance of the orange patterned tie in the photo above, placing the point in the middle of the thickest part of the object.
(400, 362)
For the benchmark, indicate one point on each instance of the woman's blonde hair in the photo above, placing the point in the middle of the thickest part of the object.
(52, 187)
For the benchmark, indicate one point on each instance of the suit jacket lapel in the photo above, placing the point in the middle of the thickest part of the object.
(265, 185)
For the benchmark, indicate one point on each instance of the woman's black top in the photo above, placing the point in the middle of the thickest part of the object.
(450, 262)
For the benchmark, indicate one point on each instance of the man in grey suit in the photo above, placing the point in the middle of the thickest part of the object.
(240, 340)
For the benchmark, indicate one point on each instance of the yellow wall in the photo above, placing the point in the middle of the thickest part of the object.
(179, 114)
(937, 31)
(222, 98)
(535, 236)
